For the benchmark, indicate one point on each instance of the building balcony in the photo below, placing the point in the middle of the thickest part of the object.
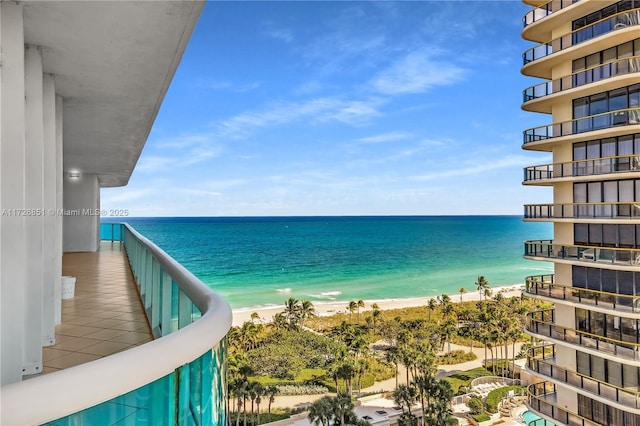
(628, 258)
(541, 324)
(582, 212)
(177, 378)
(542, 399)
(544, 287)
(607, 25)
(547, 174)
(541, 97)
(541, 361)
(604, 121)
(545, 10)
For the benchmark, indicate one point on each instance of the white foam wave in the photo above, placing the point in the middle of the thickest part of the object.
(331, 293)
(284, 290)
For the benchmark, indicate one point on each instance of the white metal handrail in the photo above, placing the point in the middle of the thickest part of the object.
(68, 391)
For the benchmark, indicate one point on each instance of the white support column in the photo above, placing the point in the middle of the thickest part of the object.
(34, 197)
(59, 206)
(81, 219)
(49, 192)
(12, 227)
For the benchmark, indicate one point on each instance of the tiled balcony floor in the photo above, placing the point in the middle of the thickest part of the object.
(105, 316)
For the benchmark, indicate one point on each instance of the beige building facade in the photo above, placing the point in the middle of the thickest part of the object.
(587, 53)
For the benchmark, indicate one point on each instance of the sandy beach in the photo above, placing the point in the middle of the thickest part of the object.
(336, 307)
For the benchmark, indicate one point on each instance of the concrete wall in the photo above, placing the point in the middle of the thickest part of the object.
(81, 219)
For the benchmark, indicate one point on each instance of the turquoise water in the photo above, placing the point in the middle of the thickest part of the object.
(262, 261)
(529, 416)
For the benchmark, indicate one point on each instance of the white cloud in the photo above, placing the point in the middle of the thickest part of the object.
(473, 169)
(317, 110)
(416, 73)
(384, 137)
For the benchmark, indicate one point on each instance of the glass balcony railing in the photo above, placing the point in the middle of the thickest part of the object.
(621, 117)
(546, 249)
(544, 285)
(178, 378)
(541, 360)
(611, 69)
(542, 323)
(618, 21)
(545, 10)
(620, 210)
(590, 167)
(542, 397)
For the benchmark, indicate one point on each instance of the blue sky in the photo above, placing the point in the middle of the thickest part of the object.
(342, 108)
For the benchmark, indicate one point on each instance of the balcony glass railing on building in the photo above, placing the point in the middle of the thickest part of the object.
(615, 68)
(547, 249)
(621, 117)
(589, 167)
(616, 22)
(541, 360)
(544, 285)
(542, 397)
(178, 378)
(543, 324)
(545, 10)
(620, 210)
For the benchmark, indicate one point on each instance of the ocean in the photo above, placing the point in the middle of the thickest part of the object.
(262, 261)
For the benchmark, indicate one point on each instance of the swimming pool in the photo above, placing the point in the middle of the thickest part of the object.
(530, 416)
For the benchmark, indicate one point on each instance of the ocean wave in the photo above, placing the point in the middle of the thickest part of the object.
(284, 290)
(331, 293)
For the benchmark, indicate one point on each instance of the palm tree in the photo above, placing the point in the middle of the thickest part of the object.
(271, 392)
(321, 411)
(352, 307)
(306, 311)
(405, 396)
(391, 355)
(360, 304)
(342, 407)
(375, 313)
(260, 392)
(254, 317)
(462, 291)
(482, 284)
(431, 306)
(291, 311)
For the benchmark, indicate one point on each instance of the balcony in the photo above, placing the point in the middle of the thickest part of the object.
(621, 117)
(542, 398)
(598, 255)
(542, 325)
(177, 378)
(582, 211)
(534, 96)
(544, 286)
(626, 19)
(541, 361)
(545, 10)
(547, 173)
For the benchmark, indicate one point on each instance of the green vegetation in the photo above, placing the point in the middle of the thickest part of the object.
(463, 379)
(298, 352)
(456, 357)
(495, 396)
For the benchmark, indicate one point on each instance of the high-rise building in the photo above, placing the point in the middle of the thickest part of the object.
(81, 83)
(588, 360)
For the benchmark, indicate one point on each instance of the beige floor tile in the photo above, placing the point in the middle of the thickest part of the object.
(133, 337)
(105, 334)
(105, 316)
(73, 359)
(106, 348)
(75, 344)
(50, 353)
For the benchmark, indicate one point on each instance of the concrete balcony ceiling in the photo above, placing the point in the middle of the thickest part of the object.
(113, 63)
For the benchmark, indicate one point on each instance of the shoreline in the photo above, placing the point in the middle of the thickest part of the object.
(324, 309)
